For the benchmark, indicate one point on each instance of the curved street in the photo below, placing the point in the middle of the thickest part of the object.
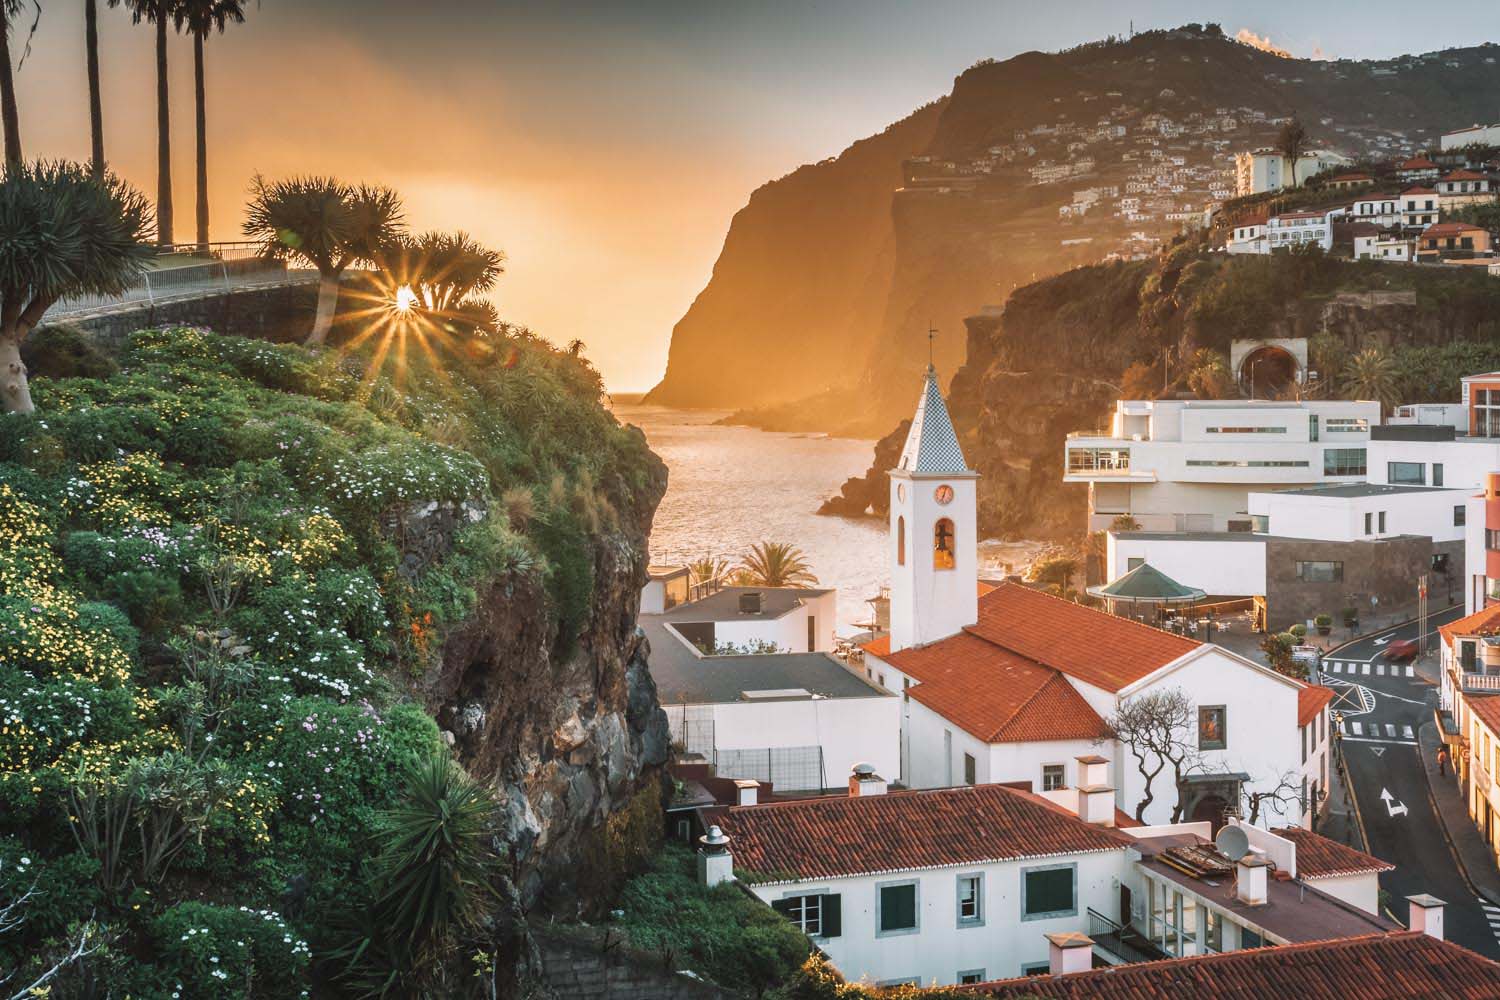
(1383, 706)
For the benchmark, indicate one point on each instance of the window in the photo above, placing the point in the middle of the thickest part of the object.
(895, 908)
(901, 541)
(1437, 473)
(1459, 516)
(816, 915)
(1051, 891)
(1320, 571)
(1468, 652)
(1343, 461)
(1312, 426)
(1492, 539)
(1381, 520)
(1303, 731)
(1053, 777)
(969, 768)
(1369, 523)
(1251, 430)
(970, 900)
(967, 977)
(1406, 473)
(1241, 527)
(1211, 732)
(1085, 460)
(943, 544)
(1241, 463)
(947, 757)
(812, 633)
(1134, 562)
(1036, 969)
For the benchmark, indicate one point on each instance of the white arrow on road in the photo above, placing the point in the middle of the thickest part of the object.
(1381, 642)
(1377, 751)
(1391, 805)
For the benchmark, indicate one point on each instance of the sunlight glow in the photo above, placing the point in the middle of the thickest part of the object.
(406, 299)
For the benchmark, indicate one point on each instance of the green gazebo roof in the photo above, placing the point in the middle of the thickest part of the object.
(1148, 584)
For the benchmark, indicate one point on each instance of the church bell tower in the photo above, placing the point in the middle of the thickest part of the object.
(934, 550)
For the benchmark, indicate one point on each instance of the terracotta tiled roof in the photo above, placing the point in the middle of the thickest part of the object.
(1446, 228)
(1462, 175)
(995, 694)
(1404, 965)
(1101, 649)
(1487, 708)
(1419, 190)
(905, 831)
(1417, 163)
(880, 647)
(1311, 700)
(1485, 621)
(1320, 857)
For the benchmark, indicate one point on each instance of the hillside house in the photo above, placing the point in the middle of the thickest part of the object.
(1419, 207)
(1292, 229)
(1417, 169)
(1463, 187)
(1446, 240)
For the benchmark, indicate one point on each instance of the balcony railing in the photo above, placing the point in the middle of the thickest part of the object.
(1480, 682)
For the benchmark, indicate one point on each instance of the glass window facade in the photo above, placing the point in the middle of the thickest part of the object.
(1344, 462)
(1086, 460)
(1406, 473)
(1314, 571)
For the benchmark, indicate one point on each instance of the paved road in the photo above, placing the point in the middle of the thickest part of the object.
(1383, 704)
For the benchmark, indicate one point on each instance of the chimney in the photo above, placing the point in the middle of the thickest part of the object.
(1069, 953)
(1424, 914)
(1250, 879)
(715, 863)
(864, 781)
(751, 603)
(1096, 804)
(747, 791)
(1093, 769)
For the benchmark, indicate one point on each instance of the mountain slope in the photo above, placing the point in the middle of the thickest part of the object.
(1156, 118)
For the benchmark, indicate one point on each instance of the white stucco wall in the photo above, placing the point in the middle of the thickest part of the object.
(1361, 890)
(849, 730)
(1342, 519)
(789, 632)
(939, 949)
(1465, 461)
(1222, 568)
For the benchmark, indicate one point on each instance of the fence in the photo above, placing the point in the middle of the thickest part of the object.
(790, 769)
(185, 271)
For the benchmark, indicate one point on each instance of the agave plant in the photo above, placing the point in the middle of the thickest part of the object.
(776, 564)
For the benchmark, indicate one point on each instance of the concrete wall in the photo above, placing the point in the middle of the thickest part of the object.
(579, 967)
(789, 632)
(1362, 890)
(1226, 568)
(1001, 945)
(849, 730)
(1342, 519)
(276, 313)
(1465, 462)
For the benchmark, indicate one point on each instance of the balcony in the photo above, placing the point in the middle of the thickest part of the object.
(1480, 682)
(1125, 943)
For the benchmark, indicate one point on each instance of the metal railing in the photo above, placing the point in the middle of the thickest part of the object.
(186, 271)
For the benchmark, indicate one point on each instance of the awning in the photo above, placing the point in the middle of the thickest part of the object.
(1147, 585)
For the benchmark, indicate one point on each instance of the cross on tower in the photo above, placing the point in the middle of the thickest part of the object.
(931, 336)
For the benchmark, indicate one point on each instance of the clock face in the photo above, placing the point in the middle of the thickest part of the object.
(943, 494)
(901, 492)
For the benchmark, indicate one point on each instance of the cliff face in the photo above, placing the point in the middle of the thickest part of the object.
(1064, 349)
(569, 738)
(966, 224)
(797, 292)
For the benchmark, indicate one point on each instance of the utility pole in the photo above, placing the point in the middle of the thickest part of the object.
(1422, 614)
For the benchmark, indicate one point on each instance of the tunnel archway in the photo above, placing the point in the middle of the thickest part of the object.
(1267, 371)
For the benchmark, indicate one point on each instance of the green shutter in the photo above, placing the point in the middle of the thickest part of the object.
(833, 917)
(898, 907)
(1049, 891)
(783, 906)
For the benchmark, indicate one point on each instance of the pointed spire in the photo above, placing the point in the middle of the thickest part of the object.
(932, 444)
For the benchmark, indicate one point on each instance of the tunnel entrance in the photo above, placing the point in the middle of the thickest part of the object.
(1267, 371)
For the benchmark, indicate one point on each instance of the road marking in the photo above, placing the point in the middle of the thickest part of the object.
(1359, 730)
(1408, 671)
(1337, 668)
(1378, 739)
(1366, 670)
(1390, 730)
(1393, 805)
(1406, 731)
(1378, 751)
(1380, 670)
(1381, 642)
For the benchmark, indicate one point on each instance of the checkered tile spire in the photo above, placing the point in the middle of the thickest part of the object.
(932, 444)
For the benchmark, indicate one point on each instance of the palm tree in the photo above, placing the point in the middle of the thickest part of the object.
(327, 223)
(10, 115)
(445, 271)
(63, 231)
(159, 12)
(776, 564)
(96, 105)
(200, 17)
(706, 570)
(1371, 374)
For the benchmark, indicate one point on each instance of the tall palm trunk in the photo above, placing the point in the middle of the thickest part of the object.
(9, 115)
(163, 135)
(328, 304)
(202, 122)
(96, 108)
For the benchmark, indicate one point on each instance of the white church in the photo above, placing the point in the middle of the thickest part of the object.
(1005, 683)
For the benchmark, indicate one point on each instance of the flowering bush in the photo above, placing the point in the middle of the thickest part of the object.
(226, 953)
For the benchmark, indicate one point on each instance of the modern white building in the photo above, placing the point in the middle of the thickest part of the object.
(795, 717)
(1248, 237)
(1382, 210)
(1269, 170)
(961, 886)
(1190, 465)
(1484, 135)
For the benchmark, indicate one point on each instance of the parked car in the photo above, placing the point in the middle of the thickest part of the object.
(1402, 650)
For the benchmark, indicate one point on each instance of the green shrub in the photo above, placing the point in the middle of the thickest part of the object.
(153, 600)
(65, 351)
(227, 953)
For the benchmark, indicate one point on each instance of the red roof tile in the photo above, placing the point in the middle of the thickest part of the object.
(902, 831)
(1487, 707)
(1101, 649)
(1462, 175)
(1445, 228)
(1485, 621)
(1416, 163)
(880, 647)
(1320, 857)
(1419, 190)
(1311, 699)
(1404, 965)
(995, 694)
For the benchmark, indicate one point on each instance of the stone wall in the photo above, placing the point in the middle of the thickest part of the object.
(270, 312)
(1386, 569)
(578, 965)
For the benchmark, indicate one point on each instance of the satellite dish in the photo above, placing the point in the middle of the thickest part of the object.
(1232, 843)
